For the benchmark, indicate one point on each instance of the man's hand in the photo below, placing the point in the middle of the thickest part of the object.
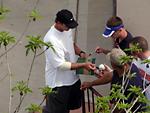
(107, 68)
(83, 55)
(101, 50)
(89, 66)
(85, 85)
(102, 72)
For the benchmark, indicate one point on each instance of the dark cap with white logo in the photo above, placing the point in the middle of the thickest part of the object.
(66, 17)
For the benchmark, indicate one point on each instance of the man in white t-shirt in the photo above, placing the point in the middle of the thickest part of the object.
(144, 68)
(61, 65)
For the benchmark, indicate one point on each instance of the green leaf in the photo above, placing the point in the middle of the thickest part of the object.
(135, 89)
(3, 12)
(6, 39)
(102, 104)
(134, 48)
(46, 90)
(145, 61)
(126, 59)
(34, 108)
(34, 15)
(131, 75)
(22, 87)
(116, 92)
(122, 105)
(34, 43)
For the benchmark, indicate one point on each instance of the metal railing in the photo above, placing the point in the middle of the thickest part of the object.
(89, 102)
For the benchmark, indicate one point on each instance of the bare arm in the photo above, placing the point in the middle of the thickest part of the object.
(77, 49)
(79, 52)
(101, 50)
(74, 66)
(106, 78)
(88, 66)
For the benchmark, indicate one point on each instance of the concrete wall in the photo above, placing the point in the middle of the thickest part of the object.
(15, 23)
(92, 16)
(135, 14)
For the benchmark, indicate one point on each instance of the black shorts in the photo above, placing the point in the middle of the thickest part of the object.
(63, 99)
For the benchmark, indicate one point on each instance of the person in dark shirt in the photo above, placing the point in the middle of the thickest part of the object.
(120, 72)
(134, 81)
(120, 36)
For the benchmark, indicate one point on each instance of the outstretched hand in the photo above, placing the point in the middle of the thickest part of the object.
(85, 85)
(99, 50)
(102, 72)
(89, 66)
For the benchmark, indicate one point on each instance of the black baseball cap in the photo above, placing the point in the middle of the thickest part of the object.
(66, 17)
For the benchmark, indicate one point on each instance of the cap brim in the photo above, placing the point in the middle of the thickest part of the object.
(73, 24)
(108, 32)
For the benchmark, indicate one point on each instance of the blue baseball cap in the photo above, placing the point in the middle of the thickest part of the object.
(110, 30)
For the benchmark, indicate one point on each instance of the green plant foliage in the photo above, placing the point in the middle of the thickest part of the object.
(116, 92)
(35, 43)
(147, 109)
(122, 105)
(134, 48)
(34, 108)
(138, 91)
(3, 12)
(146, 61)
(22, 87)
(102, 104)
(126, 59)
(117, 97)
(135, 90)
(5, 38)
(131, 75)
(34, 15)
(46, 90)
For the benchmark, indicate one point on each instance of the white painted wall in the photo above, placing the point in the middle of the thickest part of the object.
(135, 14)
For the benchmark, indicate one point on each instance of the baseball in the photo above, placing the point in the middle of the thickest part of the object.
(101, 67)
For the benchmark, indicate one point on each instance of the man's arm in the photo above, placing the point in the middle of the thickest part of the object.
(87, 65)
(101, 50)
(74, 66)
(78, 51)
(106, 78)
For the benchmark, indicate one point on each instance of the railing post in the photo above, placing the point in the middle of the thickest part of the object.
(94, 93)
(83, 103)
(88, 96)
(93, 103)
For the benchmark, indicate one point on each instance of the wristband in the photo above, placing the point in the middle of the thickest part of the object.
(65, 66)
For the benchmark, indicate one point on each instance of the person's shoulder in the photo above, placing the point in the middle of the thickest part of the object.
(69, 32)
(134, 67)
(129, 35)
(114, 74)
(49, 34)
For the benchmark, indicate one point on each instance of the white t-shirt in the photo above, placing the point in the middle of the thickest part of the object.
(145, 73)
(64, 51)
